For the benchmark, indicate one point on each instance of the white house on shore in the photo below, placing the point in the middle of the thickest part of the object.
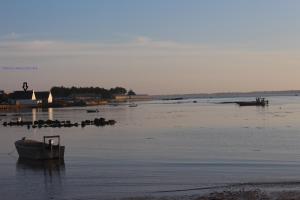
(24, 99)
(44, 97)
(137, 97)
(30, 98)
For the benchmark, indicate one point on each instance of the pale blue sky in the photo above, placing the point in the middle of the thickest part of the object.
(176, 46)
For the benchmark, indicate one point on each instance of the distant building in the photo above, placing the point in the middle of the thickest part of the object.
(21, 98)
(140, 97)
(44, 97)
(86, 96)
(121, 98)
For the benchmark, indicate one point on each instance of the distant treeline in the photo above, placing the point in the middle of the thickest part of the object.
(97, 91)
(3, 97)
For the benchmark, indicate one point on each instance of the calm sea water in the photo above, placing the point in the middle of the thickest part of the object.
(155, 147)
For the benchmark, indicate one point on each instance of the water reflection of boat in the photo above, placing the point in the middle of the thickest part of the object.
(36, 150)
(42, 171)
(92, 110)
(36, 165)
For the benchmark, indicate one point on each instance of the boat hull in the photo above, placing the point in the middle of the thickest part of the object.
(92, 111)
(251, 104)
(39, 151)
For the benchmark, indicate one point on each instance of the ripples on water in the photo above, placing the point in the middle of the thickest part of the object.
(158, 146)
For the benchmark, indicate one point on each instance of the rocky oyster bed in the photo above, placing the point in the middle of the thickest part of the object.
(60, 124)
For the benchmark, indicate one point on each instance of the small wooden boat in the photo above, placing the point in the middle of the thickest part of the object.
(133, 105)
(257, 102)
(36, 150)
(92, 111)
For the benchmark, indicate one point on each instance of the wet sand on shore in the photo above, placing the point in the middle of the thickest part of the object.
(253, 194)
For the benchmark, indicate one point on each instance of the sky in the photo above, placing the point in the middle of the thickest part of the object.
(151, 46)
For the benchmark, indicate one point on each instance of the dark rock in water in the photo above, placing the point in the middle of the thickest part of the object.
(111, 122)
(99, 122)
(102, 122)
(58, 124)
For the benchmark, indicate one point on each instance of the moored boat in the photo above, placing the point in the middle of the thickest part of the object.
(36, 150)
(133, 105)
(92, 111)
(257, 102)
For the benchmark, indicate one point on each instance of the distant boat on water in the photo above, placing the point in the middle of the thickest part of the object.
(113, 104)
(176, 98)
(133, 105)
(92, 110)
(36, 150)
(257, 102)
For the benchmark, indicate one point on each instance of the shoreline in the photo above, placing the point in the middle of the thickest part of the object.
(286, 190)
(242, 194)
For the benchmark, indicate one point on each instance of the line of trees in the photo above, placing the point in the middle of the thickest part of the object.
(97, 91)
(3, 97)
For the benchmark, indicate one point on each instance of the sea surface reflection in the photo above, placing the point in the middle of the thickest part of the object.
(156, 146)
(48, 167)
(39, 179)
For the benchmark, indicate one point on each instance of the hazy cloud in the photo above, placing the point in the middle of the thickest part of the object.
(143, 40)
(10, 36)
(140, 46)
